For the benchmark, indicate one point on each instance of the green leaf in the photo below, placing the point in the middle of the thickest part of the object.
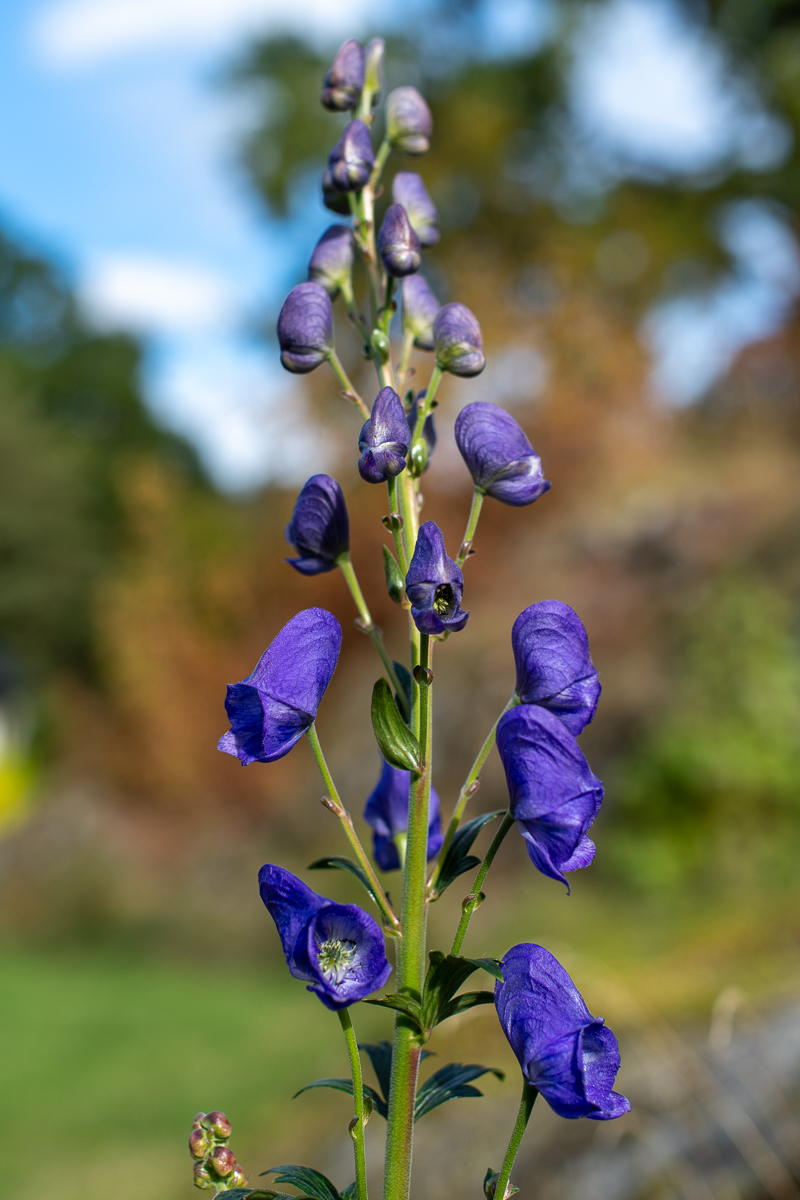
(255, 1193)
(450, 1083)
(490, 1185)
(395, 740)
(463, 1003)
(350, 1192)
(346, 1085)
(457, 860)
(406, 682)
(446, 974)
(380, 1055)
(345, 864)
(395, 584)
(404, 1004)
(306, 1179)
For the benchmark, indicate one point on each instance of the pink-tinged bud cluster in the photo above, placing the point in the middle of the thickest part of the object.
(217, 1166)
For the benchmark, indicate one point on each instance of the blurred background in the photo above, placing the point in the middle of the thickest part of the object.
(618, 184)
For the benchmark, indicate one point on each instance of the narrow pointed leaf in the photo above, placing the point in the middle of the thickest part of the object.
(395, 740)
(350, 1192)
(345, 864)
(457, 860)
(464, 1002)
(395, 584)
(406, 682)
(450, 1083)
(346, 1085)
(306, 1179)
(405, 1004)
(380, 1055)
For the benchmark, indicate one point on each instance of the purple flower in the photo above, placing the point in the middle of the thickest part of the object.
(434, 585)
(305, 328)
(319, 529)
(567, 1054)
(387, 813)
(409, 123)
(384, 439)
(420, 308)
(331, 263)
(554, 667)
(428, 430)
(352, 158)
(398, 245)
(334, 200)
(458, 342)
(554, 797)
(337, 948)
(341, 87)
(408, 189)
(271, 709)
(501, 460)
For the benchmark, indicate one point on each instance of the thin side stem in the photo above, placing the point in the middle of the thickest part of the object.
(467, 791)
(387, 313)
(384, 150)
(336, 806)
(529, 1094)
(349, 391)
(472, 524)
(357, 1125)
(355, 316)
(403, 370)
(394, 509)
(473, 899)
(373, 631)
(411, 968)
(430, 395)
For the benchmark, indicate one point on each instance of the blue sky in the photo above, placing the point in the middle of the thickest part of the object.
(116, 146)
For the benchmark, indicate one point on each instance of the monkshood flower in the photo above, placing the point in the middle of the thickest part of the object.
(341, 87)
(458, 341)
(332, 199)
(568, 1055)
(428, 430)
(554, 796)
(305, 328)
(408, 189)
(435, 585)
(398, 245)
(384, 439)
(331, 262)
(409, 123)
(554, 667)
(501, 460)
(420, 309)
(387, 813)
(352, 158)
(337, 949)
(271, 709)
(320, 528)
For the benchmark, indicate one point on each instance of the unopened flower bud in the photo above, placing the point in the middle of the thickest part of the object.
(331, 263)
(398, 245)
(218, 1123)
(408, 189)
(332, 199)
(341, 87)
(198, 1120)
(384, 439)
(458, 341)
(352, 158)
(305, 328)
(408, 121)
(421, 448)
(202, 1178)
(373, 69)
(504, 464)
(199, 1143)
(223, 1160)
(238, 1178)
(420, 308)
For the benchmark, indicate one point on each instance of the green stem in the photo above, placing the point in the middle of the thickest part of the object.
(387, 312)
(473, 899)
(336, 806)
(529, 1094)
(467, 790)
(357, 1125)
(384, 150)
(356, 317)
(411, 967)
(472, 524)
(349, 391)
(399, 545)
(403, 372)
(425, 411)
(373, 631)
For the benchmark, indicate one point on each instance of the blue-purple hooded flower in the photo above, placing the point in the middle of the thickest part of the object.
(387, 812)
(338, 949)
(271, 709)
(320, 527)
(305, 328)
(554, 796)
(568, 1055)
(501, 460)
(341, 87)
(351, 160)
(420, 309)
(398, 244)
(554, 667)
(331, 262)
(384, 439)
(458, 341)
(409, 123)
(435, 584)
(408, 189)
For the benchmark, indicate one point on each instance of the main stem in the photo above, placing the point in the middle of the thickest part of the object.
(529, 1094)
(357, 1126)
(473, 899)
(411, 965)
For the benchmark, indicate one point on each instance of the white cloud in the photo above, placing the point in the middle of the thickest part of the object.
(147, 294)
(75, 33)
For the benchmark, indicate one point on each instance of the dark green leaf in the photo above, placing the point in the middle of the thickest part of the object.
(395, 740)
(492, 966)
(450, 1083)
(446, 974)
(404, 1004)
(346, 1085)
(253, 1193)
(380, 1055)
(464, 1002)
(406, 682)
(305, 1179)
(350, 1192)
(458, 860)
(345, 864)
(395, 584)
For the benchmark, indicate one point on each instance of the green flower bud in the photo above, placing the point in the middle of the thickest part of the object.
(202, 1179)
(199, 1143)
